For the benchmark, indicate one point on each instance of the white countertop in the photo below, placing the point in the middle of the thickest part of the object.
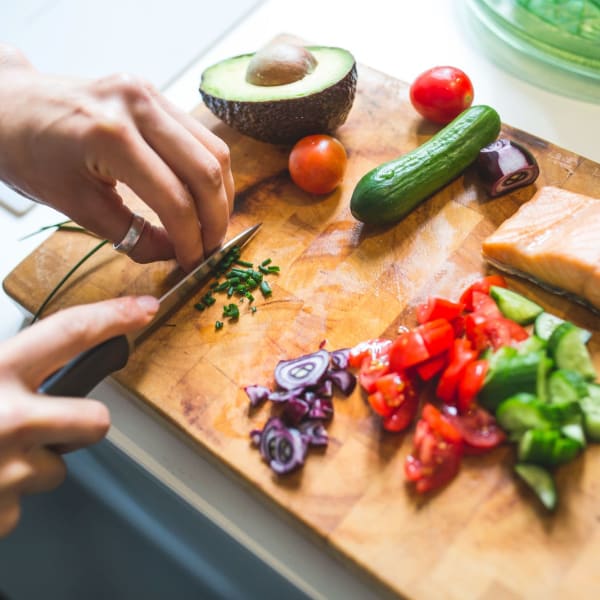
(401, 39)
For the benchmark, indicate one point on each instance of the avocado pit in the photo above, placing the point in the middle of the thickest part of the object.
(280, 63)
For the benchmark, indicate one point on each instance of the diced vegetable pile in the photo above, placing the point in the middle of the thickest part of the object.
(488, 368)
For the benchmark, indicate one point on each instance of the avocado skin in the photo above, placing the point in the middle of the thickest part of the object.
(286, 121)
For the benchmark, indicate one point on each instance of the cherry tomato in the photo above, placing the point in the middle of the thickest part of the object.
(317, 163)
(482, 285)
(373, 348)
(371, 369)
(438, 335)
(432, 366)
(471, 383)
(440, 94)
(434, 461)
(438, 308)
(408, 350)
(403, 415)
(461, 355)
(478, 429)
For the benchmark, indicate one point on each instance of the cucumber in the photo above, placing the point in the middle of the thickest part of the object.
(541, 483)
(390, 191)
(547, 447)
(514, 306)
(566, 386)
(590, 405)
(521, 412)
(545, 324)
(570, 352)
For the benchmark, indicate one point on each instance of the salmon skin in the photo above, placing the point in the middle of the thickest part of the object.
(553, 240)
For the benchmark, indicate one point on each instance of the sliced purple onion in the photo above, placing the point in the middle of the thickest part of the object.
(505, 165)
(257, 394)
(321, 408)
(339, 358)
(255, 436)
(282, 447)
(325, 389)
(306, 371)
(343, 380)
(294, 410)
(285, 395)
(314, 433)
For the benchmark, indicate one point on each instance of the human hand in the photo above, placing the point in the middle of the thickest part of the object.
(34, 429)
(67, 142)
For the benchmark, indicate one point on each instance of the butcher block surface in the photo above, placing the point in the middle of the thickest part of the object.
(482, 537)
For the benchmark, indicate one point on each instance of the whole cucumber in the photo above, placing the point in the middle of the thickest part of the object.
(390, 191)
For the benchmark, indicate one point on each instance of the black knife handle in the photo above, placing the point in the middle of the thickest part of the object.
(82, 374)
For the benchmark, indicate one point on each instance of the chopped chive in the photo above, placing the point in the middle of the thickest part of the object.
(199, 306)
(273, 269)
(256, 275)
(230, 291)
(231, 311)
(209, 300)
(265, 288)
(243, 263)
(265, 262)
(214, 285)
(218, 325)
(263, 269)
(253, 309)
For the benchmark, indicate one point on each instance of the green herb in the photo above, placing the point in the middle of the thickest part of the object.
(243, 263)
(218, 325)
(253, 309)
(231, 311)
(265, 288)
(199, 306)
(57, 287)
(265, 262)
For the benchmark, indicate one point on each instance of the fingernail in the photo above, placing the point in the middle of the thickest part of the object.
(148, 303)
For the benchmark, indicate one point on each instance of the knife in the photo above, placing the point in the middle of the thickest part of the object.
(79, 376)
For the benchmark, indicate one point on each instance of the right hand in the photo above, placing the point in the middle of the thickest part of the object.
(67, 142)
(35, 430)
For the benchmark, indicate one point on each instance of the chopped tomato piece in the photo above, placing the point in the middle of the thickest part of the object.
(461, 354)
(458, 324)
(373, 348)
(471, 384)
(438, 308)
(379, 405)
(408, 350)
(475, 331)
(438, 335)
(479, 430)
(394, 387)
(432, 366)
(371, 369)
(504, 332)
(402, 416)
(482, 285)
(434, 461)
(439, 423)
(484, 304)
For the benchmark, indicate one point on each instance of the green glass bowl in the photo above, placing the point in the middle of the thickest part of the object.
(545, 41)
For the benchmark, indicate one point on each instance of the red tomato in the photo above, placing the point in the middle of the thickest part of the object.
(317, 163)
(440, 94)
(440, 424)
(438, 308)
(484, 304)
(403, 415)
(478, 429)
(432, 366)
(408, 350)
(371, 369)
(471, 384)
(482, 285)
(438, 335)
(460, 356)
(373, 348)
(434, 461)
(379, 405)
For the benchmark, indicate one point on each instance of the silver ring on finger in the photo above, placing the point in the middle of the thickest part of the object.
(133, 235)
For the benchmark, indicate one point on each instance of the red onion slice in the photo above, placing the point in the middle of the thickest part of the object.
(306, 371)
(314, 433)
(294, 410)
(343, 380)
(257, 394)
(505, 165)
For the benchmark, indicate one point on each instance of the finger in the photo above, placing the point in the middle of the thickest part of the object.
(215, 145)
(41, 349)
(102, 211)
(10, 513)
(37, 470)
(127, 157)
(195, 166)
(48, 471)
(57, 422)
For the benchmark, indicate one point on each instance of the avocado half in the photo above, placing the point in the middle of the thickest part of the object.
(282, 114)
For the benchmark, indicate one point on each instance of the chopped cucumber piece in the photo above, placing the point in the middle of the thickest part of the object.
(547, 448)
(514, 306)
(511, 375)
(570, 352)
(545, 324)
(541, 483)
(532, 344)
(590, 405)
(575, 431)
(521, 412)
(566, 386)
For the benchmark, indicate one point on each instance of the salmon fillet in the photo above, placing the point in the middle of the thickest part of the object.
(554, 240)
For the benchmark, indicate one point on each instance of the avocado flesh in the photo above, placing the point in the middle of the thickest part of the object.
(317, 103)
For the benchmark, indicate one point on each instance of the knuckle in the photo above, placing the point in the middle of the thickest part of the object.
(212, 173)
(222, 154)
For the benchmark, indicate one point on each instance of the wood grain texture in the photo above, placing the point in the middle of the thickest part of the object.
(483, 537)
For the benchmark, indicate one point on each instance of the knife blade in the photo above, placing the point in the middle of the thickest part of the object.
(79, 376)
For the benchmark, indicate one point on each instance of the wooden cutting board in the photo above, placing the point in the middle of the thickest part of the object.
(483, 536)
